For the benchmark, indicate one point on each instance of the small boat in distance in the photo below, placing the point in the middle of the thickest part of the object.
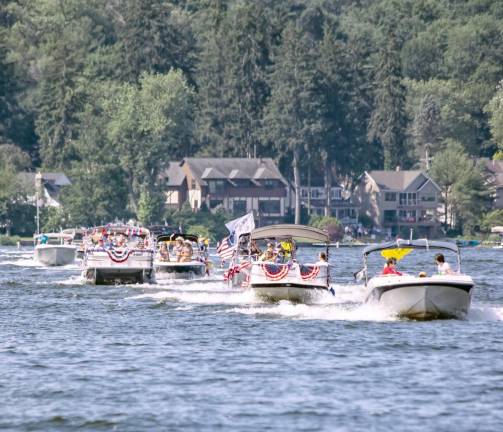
(271, 268)
(118, 254)
(77, 240)
(418, 296)
(54, 249)
(179, 256)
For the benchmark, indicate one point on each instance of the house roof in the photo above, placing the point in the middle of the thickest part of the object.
(493, 166)
(58, 179)
(495, 170)
(233, 169)
(397, 180)
(174, 174)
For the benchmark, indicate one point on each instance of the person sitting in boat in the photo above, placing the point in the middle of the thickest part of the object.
(443, 267)
(390, 269)
(101, 244)
(186, 251)
(43, 239)
(322, 259)
(269, 254)
(254, 249)
(177, 248)
(164, 253)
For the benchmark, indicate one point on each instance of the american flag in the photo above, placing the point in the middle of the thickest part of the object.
(225, 249)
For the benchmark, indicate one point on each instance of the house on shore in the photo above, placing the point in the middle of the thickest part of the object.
(47, 184)
(494, 170)
(342, 203)
(236, 185)
(398, 200)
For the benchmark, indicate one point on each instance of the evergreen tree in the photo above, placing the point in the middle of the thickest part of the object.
(388, 121)
(294, 117)
(153, 36)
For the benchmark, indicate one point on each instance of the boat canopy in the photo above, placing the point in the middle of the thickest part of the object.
(411, 244)
(120, 229)
(174, 235)
(60, 235)
(290, 231)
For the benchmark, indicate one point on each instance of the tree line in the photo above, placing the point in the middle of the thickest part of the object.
(109, 91)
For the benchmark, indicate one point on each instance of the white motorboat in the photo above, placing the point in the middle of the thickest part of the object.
(168, 264)
(421, 296)
(54, 249)
(118, 254)
(282, 278)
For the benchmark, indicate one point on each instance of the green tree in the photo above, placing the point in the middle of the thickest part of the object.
(147, 125)
(388, 121)
(464, 193)
(153, 36)
(294, 116)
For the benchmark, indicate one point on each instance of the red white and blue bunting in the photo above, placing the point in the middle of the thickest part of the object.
(275, 272)
(309, 272)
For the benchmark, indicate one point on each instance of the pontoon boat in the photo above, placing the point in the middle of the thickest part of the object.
(118, 254)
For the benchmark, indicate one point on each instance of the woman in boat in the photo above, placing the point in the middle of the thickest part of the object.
(389, 269)
(322, 259)
(443, 267)
(177, 248)
(163, 253)
(269, 254)
(186, 251)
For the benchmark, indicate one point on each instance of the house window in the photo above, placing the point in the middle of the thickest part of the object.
(239, 206)
(389, 216)
(315, 193)
(303, 193)
(270, 184)
(408, 199)
(428, 198)
(193, 184)
(216, 186)
(269, 206)
(336, 194)
(407, 216)
(390, 196)
(427, 216)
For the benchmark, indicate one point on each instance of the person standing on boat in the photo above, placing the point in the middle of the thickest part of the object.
(443, 267)
(322, 259)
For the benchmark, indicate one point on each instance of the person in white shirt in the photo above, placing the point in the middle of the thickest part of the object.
(443, 267)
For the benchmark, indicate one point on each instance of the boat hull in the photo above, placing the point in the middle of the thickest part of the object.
(425, 299)
(290, 292)
(178, 270)
(55, 255)
(293, 282)
(100, 269)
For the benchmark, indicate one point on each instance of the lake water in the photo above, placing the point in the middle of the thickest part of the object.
(198, 356)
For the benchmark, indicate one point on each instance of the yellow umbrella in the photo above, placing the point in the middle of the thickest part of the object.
(397, 253)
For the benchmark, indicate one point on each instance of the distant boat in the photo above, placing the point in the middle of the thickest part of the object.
(189, 267)
(54, 249)
(467, 243)
(342, 244)
(128, 261)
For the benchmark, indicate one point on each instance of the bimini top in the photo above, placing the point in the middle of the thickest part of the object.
(290, 231)
(119, 229)
(58, 235)
(174, 235)
(412, 244)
